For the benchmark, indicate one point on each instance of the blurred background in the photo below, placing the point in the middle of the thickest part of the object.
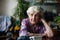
(17, 10)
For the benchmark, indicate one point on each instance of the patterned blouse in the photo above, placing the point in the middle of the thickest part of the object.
(27, 27)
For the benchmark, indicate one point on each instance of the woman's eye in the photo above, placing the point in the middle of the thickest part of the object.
(31, 14)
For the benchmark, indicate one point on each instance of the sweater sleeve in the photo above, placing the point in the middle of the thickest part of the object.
(23, 30)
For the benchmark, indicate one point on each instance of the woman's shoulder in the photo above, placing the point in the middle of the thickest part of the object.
(26, 19)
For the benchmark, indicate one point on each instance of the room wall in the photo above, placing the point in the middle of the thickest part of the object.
(7, 7)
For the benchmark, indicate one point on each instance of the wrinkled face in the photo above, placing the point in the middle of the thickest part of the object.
(34, 17)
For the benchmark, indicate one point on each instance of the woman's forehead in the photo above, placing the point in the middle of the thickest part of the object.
(34, 12)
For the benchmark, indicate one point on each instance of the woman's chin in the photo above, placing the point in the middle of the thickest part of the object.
(33, 22)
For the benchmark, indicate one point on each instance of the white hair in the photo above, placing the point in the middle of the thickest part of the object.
(34, 8)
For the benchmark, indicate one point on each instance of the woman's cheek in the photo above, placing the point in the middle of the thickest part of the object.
(37, 18)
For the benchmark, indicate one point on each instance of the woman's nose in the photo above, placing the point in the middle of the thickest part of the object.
(33, 17)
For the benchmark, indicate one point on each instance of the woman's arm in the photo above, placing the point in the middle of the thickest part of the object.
(48, 29)
(33, 34)
(23, 30)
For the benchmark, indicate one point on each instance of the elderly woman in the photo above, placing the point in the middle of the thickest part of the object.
(35, 25)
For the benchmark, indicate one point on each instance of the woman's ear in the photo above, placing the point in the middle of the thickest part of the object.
(42, 15)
